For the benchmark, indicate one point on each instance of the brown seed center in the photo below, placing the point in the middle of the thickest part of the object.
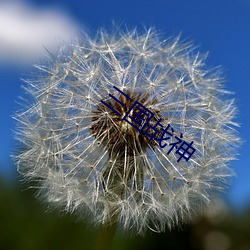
(119, 123)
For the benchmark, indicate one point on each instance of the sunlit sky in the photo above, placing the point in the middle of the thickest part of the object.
(221, 27)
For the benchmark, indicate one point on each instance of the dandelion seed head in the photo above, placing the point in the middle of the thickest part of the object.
(87, 159)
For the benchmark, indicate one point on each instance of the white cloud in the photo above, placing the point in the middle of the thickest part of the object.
(25, 31)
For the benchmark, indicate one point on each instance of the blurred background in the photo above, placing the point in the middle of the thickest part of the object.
(29, 28)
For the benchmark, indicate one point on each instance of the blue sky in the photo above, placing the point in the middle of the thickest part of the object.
(221, 27)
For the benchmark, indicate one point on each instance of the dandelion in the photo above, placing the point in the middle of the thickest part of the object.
(86, 158)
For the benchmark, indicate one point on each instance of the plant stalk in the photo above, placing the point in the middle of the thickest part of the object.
(105, 236)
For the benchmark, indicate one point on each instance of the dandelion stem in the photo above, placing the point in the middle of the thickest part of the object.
(105, 236)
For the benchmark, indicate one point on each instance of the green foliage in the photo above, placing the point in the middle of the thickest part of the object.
(25, 226)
